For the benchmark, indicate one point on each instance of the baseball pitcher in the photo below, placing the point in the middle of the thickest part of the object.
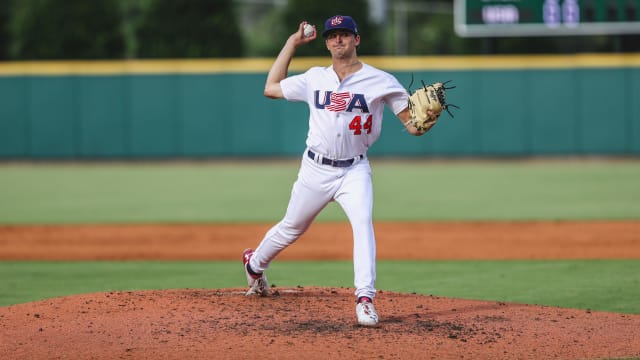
(346, 102)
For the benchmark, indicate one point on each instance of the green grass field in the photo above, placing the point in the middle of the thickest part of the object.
(608, 285)
(258, 191)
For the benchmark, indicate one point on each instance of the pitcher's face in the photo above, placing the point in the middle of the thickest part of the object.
(342, 43)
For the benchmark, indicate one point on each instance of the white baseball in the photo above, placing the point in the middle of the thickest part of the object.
(308, 30)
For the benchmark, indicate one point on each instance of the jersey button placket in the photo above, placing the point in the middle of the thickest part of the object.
(339, 129)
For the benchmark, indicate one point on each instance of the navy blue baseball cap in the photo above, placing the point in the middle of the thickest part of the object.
(340, 22)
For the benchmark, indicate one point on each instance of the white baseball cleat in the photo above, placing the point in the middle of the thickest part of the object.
(366, 312)
(258, 284)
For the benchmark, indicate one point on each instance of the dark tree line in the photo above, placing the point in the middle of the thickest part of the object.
(116, 29)
(119, 29)
(69, 29)
(189, 29)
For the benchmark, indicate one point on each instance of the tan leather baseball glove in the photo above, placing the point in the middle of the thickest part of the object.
(428, 98)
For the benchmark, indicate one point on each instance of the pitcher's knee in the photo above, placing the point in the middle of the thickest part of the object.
(289, 234)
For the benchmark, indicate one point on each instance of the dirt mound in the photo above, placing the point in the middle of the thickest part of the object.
(311, 323)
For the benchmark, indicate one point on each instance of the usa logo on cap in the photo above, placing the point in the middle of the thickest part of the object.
(336, 20)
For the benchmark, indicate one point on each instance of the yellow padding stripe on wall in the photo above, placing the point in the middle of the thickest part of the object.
(262, 65)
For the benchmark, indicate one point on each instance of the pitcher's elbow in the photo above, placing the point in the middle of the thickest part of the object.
(268, 93)
(272, 92)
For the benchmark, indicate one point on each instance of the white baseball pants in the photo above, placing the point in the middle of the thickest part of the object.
(316, 186)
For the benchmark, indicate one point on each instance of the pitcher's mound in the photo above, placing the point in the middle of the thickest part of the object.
(305, 323)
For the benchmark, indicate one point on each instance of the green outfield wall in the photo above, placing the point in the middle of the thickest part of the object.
(510, 106)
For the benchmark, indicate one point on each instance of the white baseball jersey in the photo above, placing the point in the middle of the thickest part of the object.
(345, 117)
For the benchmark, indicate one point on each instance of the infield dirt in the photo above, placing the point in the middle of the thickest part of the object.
(314, 323)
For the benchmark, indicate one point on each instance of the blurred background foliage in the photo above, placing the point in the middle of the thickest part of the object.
(191, 29)
(127, 29)
(73, 29)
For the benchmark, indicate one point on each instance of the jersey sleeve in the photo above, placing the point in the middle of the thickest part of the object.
(294, 88)
(397, 97)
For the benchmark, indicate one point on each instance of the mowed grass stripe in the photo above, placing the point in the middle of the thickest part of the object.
(259, 191)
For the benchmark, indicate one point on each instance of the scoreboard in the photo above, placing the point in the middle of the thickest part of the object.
(504, 18)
